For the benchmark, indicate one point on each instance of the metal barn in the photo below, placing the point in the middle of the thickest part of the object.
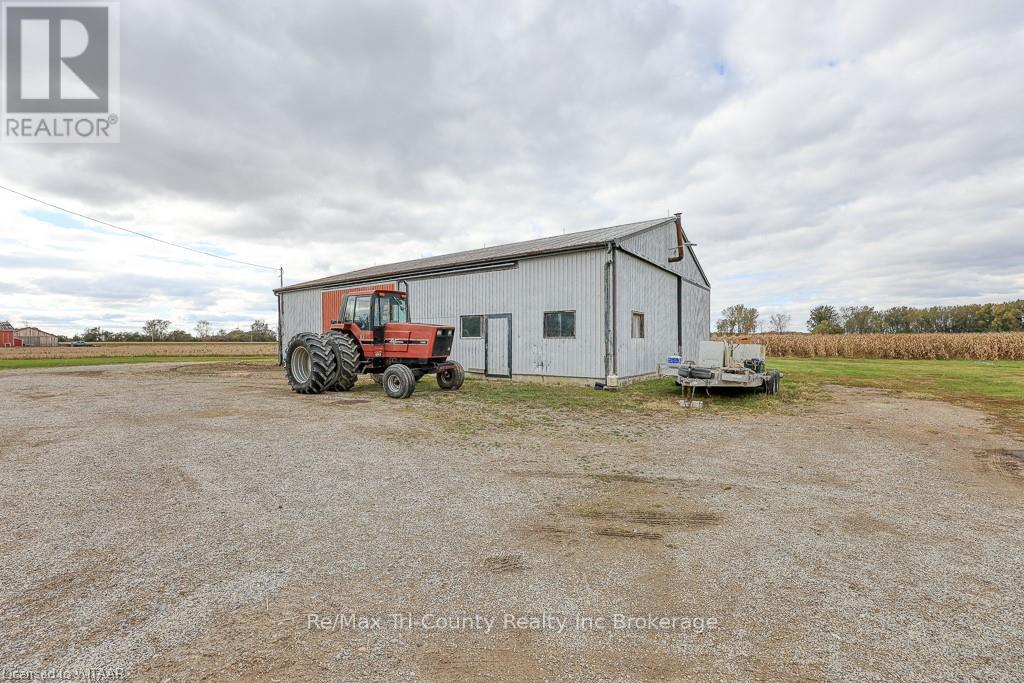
(584, 305)
(33, 336)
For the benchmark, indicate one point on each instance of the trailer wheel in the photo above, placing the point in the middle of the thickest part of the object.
(398, 381)
(346, 360)
(309, 365)
(451, 378)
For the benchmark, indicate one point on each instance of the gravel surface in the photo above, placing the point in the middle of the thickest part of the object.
(179, 522)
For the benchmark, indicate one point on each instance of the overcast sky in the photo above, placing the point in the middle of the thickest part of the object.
(848, 153)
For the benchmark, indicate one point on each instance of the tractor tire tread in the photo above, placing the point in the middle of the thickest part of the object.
(322, 364)
(347, 356)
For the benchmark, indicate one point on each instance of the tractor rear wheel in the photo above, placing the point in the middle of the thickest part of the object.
(398, 381)
(346, 359)
(451, 378)
(309, 365)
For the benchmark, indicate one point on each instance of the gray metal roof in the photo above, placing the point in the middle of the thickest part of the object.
(544, 245)
(4, 325)
(25, 330)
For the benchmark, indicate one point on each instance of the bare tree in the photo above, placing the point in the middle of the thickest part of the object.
(779, 322)
(203, 329)
(156, 328)
(260, 331)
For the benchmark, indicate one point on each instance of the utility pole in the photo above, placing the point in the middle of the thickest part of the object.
(280, 342)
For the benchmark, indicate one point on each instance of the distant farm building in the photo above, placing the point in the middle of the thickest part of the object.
(584, 305)
(7, 337)
(33, 336)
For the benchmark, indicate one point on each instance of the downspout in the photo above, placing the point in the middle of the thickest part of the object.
(679, 316)
(679, 256)
(609, 310)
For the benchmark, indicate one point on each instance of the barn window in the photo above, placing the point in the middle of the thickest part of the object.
(472, 326)
(560, 324)
(637, 326)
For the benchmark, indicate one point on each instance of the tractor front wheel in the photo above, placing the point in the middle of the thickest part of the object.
(398, 381)
(310, 365)
(451, 378)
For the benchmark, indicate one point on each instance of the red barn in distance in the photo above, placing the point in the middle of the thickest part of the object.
(7, 337)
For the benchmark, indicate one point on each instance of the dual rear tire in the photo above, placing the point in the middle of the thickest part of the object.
(346, 360)
(310, 365)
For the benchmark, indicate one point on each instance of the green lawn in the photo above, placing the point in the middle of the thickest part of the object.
(11, 363)
(513, 400)
(993, 387)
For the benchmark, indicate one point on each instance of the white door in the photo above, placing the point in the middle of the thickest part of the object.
(498, 346)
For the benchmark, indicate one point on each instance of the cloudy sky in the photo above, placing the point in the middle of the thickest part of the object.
(849, 153)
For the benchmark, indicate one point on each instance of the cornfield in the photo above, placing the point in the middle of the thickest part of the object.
(110, 349)
(973, 346)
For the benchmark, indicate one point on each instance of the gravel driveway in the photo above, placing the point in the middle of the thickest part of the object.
(200, 521)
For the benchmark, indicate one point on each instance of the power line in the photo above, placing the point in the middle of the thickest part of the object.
(134, 232)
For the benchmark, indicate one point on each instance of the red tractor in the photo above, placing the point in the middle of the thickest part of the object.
(372, 335)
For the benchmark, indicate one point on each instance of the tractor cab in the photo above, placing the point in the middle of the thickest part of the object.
(379, 320)
(371, 311)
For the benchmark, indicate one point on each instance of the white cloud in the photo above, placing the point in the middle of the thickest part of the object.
(851, 153)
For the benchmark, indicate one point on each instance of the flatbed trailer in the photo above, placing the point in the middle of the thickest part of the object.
(743, 369)
(739, 378)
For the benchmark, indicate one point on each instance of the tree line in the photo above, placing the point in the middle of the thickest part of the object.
(828, 319)
(160, 330)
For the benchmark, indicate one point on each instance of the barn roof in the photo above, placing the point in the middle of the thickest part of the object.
(4, 325)
(41, 333)
(545, 245)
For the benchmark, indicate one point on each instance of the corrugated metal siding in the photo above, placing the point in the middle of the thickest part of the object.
(551, 283)
(658, 245)
(566, 282)
(643, 288)
(696, 319)
(302, 311)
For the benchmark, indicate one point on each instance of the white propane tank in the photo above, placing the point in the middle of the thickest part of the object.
(612, 381)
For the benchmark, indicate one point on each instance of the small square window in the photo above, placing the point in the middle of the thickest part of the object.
(559, 324)
(472, 326)
(637, 326)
